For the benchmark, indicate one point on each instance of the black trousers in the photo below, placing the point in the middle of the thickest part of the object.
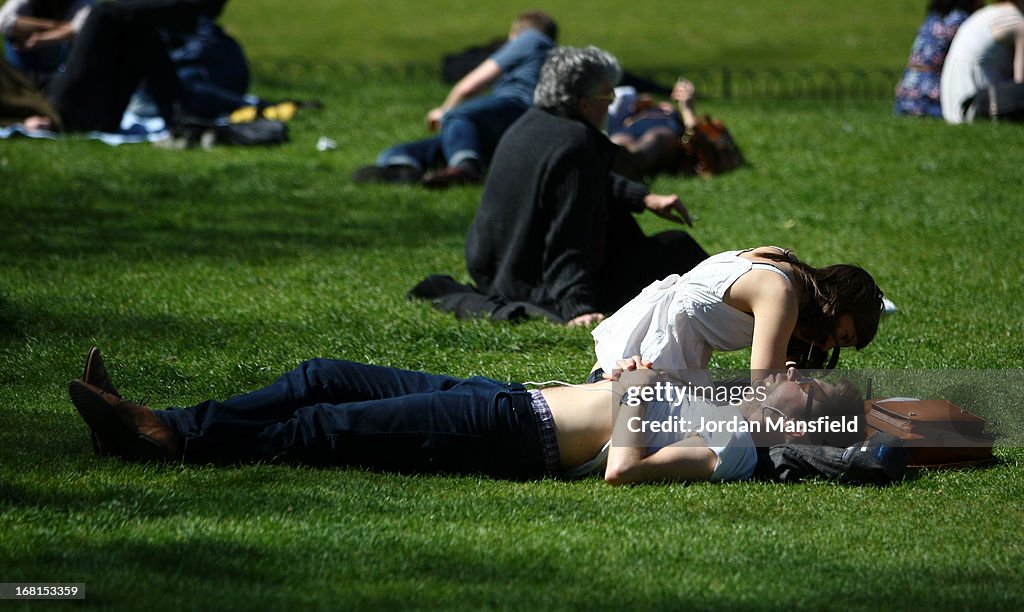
(633, 260)
(118, 48)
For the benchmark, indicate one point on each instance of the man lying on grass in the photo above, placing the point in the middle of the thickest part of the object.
(329, 412)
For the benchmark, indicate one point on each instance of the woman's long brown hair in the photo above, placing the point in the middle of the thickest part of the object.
(831, 292)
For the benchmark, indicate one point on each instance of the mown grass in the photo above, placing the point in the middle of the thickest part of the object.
(207, 273)
(644, 34)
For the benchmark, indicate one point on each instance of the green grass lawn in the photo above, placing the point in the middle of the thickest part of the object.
(207, 273)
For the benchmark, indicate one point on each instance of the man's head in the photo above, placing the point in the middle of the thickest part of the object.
(795, 400)
(577, 83)
(535, 20)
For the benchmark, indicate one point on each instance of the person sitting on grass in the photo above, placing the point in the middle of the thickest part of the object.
(470, 124)
(331, 412)
(983, 75)
(555, 232)
(918, 90)
(119, 47)
(38, 35)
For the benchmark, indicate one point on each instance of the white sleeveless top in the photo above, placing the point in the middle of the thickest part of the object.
(678, 321)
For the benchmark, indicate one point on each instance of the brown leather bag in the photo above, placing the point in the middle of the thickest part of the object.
(709, 149)
(936, 433)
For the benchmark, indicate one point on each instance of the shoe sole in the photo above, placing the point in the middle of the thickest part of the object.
(106, 425)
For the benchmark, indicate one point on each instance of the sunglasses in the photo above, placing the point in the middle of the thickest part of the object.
(807, 384)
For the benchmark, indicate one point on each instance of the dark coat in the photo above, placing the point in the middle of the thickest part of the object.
(549, 209)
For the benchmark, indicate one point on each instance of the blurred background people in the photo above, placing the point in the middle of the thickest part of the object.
(470, 123)
(38, 34)
(917, 92)
(983, 75)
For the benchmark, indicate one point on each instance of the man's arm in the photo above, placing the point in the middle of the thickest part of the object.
(21, 27)
(628, 461)
(468, 86)
(688, 461)
(627, 193)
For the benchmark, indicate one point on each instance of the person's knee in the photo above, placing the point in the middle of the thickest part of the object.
(457, 123)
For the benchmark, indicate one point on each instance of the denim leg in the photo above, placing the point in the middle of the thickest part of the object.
(422, 154)
(204, 97)
(477, 426)
(472, 129)
(43, 59)
(344, 413)
(215, 429)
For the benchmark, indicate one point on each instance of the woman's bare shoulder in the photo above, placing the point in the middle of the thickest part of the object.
(760, 253)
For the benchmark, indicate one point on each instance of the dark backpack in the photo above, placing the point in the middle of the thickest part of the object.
(880, 460)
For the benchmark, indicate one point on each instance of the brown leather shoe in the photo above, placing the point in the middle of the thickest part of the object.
(453, 176)
(123, 428)
(95, 372)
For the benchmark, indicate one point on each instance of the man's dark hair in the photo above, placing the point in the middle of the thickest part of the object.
(540, 21)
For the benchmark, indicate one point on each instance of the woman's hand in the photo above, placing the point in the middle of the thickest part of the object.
(669, 207)
(635, 362)
(683, 91)
(585, 319)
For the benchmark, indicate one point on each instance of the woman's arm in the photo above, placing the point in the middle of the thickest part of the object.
(683, 93)
(53, 36)
(772, 301)
(22, 26)
(1018, 55)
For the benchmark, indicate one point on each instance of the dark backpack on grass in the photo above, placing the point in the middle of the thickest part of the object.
(879, 461)
(258, 132)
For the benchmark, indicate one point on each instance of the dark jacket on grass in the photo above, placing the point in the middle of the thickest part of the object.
(555, 229)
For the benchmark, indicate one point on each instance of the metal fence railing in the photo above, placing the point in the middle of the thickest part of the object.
(721, 82)
(815, 83)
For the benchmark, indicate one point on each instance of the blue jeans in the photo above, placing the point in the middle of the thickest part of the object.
(470, 131)
(43, 60)
(329, 412)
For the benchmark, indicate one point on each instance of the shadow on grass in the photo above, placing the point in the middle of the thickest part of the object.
(20, 319)
(9, 324)
(247, 229)
(221, 565)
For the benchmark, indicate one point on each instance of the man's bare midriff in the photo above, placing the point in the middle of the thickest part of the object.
(583, 420)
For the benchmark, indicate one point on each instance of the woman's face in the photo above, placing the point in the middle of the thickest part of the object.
(844, 335)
